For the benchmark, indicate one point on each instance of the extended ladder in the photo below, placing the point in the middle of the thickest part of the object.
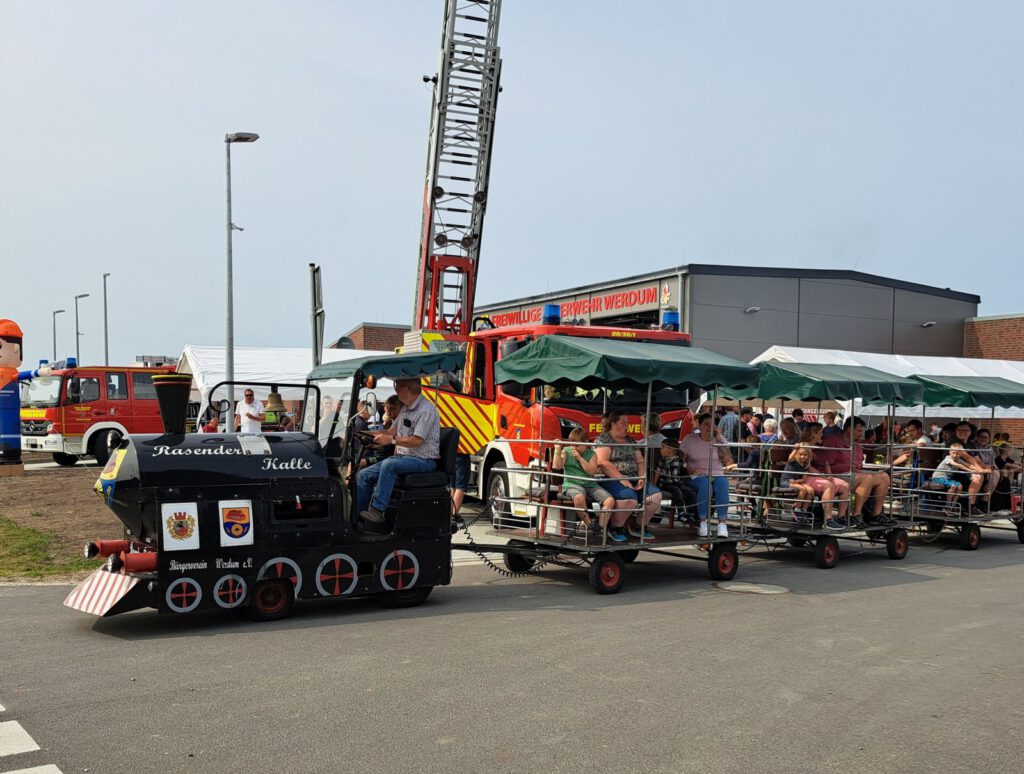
(464, 102)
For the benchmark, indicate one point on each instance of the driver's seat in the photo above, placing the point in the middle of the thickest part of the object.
(445, 473)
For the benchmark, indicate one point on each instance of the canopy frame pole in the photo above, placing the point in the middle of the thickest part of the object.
(711, 454)
(642, 499)
(544, 467)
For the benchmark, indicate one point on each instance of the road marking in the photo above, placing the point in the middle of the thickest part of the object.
(1, 707)
(48, 769)
(14, 739)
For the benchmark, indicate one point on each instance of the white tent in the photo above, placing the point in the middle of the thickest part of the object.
(908, 365)
(273, 365)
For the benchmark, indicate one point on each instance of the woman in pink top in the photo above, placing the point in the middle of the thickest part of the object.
(838, 488)
(705, 463)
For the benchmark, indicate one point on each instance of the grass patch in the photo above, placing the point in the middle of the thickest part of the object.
(31, 553)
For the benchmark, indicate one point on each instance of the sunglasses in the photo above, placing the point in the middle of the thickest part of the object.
(248, 394)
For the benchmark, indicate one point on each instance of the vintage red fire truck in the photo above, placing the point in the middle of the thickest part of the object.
(86, 410)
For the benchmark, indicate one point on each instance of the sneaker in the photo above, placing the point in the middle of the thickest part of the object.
(803, 517)
(881, 520)
(976, 511)
(637, 533)
(723, 530)
(617, 537)
(833, 524)
(702, 530)
(373, 515)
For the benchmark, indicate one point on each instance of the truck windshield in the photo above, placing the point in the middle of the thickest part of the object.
(631, 400)
(43, 392)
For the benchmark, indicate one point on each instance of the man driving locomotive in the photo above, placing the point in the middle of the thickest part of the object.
(415, 434)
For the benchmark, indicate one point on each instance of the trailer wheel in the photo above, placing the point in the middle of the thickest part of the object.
(970, 537)
(723, 561)
(896, 543)
(517, 562)
(1020, 531)
(629, 556)
(65, 460)
(606, 573)
(406, 598)
(271, 600)
(796, 541)
(826, 552)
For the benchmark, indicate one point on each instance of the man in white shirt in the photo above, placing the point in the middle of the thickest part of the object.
(249, 414)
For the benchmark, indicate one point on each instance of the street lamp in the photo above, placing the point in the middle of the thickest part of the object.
(78, 336)
(106, 339)
(55, 313)
(230, 332)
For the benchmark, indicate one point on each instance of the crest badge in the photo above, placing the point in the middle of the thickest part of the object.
(180, 526)
(235, 522)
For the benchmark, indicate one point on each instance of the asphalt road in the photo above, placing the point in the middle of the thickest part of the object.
(873, 666)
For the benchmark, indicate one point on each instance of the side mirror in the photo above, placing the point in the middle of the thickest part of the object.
(75, 390)
(513, 390)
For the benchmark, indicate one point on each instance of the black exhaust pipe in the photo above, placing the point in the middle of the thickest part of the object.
(172, 391)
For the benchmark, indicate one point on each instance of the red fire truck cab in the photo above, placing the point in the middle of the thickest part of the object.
(87, 410)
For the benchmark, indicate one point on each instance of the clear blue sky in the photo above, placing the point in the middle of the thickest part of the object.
(881, 136)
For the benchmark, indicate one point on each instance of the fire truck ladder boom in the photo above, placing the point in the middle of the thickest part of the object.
(464, 102)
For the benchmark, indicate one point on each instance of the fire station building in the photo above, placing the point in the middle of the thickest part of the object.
(740, 311)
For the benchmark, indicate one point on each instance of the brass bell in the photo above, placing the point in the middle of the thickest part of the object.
(274, 405)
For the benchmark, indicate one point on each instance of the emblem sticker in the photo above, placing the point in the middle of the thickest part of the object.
(183, 595)
(181, 526)
(400, 570)
(235, 523)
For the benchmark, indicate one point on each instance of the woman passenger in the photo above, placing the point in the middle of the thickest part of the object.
(707, 466)
(623, 463)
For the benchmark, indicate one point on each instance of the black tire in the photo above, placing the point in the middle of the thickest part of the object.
(517, 562)
(406, 598)
(65, 460)
(796, 541)
(970, 537)
(629, 556)
(498, 486)
(723, 561)
(826, 552)
(106, 443)
(271, 600)
(896, 543)
(607, 573)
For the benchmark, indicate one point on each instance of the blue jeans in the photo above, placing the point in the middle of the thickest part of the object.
(378, 480)
(721, 489)
(620, 491)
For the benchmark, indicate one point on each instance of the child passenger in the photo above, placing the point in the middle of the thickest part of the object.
(952, 463)
(802, 477)
(577, 462)
(670, 476)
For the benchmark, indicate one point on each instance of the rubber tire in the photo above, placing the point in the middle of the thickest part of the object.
(1020, 531)
(796, 541)
(111, 440)
(406, 598)
(629, 556)
(98, 447)
(271, 600)
(897, 543)
(826, 552)
(607, 572)
(970, 537)
(65, 460)
(723, 561)
(517, 562)
(497, 478)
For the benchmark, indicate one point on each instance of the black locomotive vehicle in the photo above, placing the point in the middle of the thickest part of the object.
(222, 521)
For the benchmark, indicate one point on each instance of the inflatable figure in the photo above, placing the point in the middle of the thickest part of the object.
(10, 400)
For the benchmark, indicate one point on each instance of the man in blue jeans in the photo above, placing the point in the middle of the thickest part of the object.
(415, 434)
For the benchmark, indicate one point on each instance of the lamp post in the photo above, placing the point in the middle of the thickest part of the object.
(106, 338)
(55, 313)
(229, 139)
(78, 335)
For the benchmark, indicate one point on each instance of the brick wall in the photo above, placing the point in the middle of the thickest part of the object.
(374, 337)
(998, 339)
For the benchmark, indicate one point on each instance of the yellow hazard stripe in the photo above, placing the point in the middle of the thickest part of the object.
(475, 436)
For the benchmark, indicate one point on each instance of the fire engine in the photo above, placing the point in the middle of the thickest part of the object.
(87, 410)
(488, 416)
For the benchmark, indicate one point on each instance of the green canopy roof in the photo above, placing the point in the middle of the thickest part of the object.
(818, 381)
(391, 366)
(971, 391)
(591, 362)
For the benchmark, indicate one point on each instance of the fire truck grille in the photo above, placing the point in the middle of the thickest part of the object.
(33, 426)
